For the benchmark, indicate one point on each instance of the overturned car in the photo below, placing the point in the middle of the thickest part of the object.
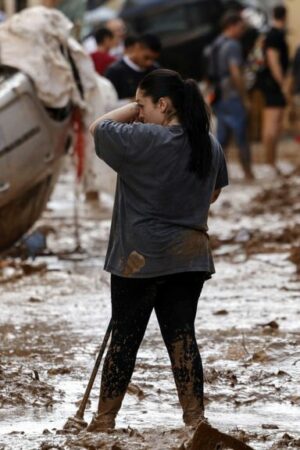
(32, 143)
(45, 76)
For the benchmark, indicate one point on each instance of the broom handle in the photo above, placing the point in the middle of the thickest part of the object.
(80, 412)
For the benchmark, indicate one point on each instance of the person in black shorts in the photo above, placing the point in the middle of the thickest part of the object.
(273, 83)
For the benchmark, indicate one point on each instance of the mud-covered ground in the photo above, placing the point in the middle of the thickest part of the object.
(54, 312)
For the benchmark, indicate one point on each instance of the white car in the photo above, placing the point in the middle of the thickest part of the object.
(32, 143)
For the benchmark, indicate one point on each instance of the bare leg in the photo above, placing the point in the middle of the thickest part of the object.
(273, 119)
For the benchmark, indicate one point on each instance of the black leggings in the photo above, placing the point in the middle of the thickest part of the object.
(174, 299)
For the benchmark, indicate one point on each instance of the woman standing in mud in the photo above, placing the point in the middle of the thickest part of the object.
(170, 169)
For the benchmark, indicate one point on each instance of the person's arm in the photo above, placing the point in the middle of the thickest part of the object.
(235, 66)
(289, 87)
(238, 81)
(125, 114)
(273, 61)
(215, 195)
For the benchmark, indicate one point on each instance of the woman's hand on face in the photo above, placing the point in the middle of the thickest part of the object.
(133, 111)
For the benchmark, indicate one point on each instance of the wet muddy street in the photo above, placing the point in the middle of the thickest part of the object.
(55, 310)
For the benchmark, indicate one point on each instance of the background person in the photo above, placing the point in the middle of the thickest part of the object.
(273, 83)
(169, 171)
(139, 60)
(230, 106)
(118, 27)
(129, 42)
(101, 57)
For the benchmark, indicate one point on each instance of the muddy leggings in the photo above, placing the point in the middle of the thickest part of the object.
(174, 299)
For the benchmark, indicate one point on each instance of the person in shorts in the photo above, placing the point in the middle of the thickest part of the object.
(274, 84)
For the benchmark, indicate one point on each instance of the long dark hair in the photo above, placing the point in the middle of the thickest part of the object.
(191, 110)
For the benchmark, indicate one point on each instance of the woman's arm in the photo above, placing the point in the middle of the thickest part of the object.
(125, 114)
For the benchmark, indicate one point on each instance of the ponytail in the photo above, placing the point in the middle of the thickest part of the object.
(191, 111)
(195, 118)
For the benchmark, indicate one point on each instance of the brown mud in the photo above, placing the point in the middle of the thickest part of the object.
(134, 264)
(55, 310)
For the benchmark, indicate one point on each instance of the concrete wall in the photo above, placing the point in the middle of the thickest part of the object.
(10, 5)
(34, 2)
(293, 23)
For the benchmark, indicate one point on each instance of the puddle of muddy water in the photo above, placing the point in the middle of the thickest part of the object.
(52, 323)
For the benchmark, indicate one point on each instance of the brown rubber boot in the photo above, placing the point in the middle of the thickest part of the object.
(101, 423)
(208, 438)
(193, 423)
(104, 420)
(190, 393)
(193, 412)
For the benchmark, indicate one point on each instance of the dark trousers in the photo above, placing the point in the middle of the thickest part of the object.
(174, 299)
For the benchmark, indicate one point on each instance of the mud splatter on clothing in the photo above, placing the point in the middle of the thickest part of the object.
(159, 202)
(174, 299)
